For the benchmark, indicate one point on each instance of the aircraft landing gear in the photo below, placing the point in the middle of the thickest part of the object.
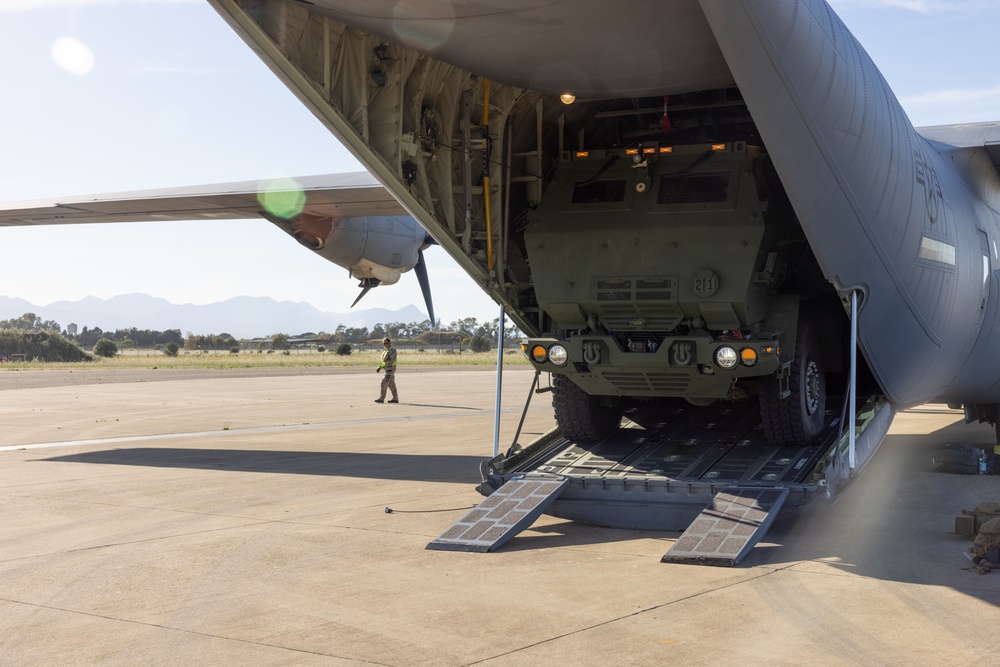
(580, 416)
(799, 418)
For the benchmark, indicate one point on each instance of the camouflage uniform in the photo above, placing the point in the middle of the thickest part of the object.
(389, 379)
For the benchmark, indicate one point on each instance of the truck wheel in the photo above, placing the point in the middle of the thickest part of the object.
(580, 416)
(799, 418)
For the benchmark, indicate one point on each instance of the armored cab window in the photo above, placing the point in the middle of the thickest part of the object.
(599, 192)
(693, 188)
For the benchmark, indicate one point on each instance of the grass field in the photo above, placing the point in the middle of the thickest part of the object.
(252, 359)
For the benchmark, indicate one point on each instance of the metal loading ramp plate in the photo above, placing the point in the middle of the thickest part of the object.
(509, 510)
(729, 527)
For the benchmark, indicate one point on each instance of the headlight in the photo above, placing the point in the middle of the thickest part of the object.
(726, 357)
(558, 355)
(538, 354)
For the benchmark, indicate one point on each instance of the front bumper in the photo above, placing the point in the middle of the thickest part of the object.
(682, 366)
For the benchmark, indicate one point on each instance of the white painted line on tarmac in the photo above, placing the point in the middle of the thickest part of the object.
(245, 431)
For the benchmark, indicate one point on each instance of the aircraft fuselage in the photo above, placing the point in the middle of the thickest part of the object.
(457, 110)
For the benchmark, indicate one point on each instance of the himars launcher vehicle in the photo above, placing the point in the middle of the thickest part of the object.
(696, 210)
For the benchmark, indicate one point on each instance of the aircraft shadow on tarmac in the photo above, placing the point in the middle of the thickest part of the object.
(895, 522)
(456, 469)
(427, 468)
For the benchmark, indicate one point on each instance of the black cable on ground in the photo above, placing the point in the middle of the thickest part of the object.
(389, 510)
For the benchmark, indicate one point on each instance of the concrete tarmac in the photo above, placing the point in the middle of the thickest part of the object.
(151, 518)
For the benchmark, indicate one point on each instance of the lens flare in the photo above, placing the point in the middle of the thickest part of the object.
(73, 56)
(282, 197)
(420, 28)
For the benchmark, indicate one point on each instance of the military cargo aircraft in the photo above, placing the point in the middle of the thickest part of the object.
(707, 203)
(348, 219)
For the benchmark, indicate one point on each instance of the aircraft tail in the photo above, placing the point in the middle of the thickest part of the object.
(863, 184)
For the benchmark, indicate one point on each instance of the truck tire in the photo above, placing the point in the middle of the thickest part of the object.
(580, 416)
(798, 419)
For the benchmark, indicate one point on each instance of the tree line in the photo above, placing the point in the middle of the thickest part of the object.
(468, 327)
(478, 336)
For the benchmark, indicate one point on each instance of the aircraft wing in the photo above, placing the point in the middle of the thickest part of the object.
(967, 135)
(332, 195)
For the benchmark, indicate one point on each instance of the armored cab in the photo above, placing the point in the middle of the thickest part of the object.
(675, 271)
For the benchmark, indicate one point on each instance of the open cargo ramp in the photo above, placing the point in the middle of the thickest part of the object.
(729, 527)
(509, 510)
(670, 461)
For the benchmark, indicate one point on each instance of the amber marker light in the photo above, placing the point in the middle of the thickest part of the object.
(539, 354)
(666, 149)
(583, 153)
(748, 356)
(648, 151)
(718, 147)
(631, 151)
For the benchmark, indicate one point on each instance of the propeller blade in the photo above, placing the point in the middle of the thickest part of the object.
(364, 290)
(425, 286)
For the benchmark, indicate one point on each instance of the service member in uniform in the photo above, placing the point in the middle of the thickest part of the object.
(389, 366)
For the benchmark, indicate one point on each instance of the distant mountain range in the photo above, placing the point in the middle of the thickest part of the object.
(242, 316)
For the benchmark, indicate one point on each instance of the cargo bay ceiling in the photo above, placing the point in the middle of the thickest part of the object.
(455, 105)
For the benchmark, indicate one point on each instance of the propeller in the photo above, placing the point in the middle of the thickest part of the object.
(420, 268)
(365, 286)
(425, 285)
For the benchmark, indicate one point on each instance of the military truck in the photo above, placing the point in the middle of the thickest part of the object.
(678, 271)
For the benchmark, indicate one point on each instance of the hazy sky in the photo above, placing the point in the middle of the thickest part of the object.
(101, 96)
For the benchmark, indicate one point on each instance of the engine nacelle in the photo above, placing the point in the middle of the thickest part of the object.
(370, 247)
(365, 270)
